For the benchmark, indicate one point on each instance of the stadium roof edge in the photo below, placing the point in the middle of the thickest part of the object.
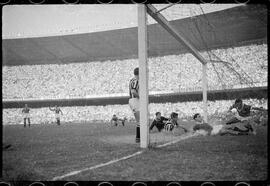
(241, 22)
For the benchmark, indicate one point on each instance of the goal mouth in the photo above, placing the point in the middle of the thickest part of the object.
(157, 138)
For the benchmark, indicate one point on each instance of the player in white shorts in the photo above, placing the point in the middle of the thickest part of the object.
(57, 111)
(26, 115)
(134, 101)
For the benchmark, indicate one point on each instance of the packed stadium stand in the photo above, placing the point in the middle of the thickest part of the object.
(167, 73)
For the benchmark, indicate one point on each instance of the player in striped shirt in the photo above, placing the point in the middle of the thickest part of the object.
(134, 101)
(26, 115)
(57, 111)
(172, 123)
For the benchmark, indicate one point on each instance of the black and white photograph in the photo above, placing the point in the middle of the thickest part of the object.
(135, 92)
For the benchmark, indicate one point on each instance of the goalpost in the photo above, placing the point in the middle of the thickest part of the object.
(143, 9)
(143, 75)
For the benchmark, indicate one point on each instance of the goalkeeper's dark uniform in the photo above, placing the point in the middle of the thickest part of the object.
(159, 123)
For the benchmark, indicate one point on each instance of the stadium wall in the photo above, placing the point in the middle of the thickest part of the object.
(228, 94)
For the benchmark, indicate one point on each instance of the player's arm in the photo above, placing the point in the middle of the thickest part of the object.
(183, 128)
(257, 108)
(61, 111)
(152, 125)
(163, 119)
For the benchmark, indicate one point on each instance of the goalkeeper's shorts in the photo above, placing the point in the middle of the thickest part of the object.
(134, 104)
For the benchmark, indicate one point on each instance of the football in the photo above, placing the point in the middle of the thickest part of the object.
(234, 110)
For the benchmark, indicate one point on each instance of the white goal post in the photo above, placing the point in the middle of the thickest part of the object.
(143, 9)
(143, 75)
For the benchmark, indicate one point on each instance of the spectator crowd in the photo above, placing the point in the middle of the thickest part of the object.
(168, 73)
(172, 73)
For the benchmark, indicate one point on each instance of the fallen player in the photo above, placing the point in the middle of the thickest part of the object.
(239, 128)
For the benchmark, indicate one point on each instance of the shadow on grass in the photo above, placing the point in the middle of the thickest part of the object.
(20, 170)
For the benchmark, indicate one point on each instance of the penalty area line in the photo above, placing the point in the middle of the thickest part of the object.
(96, 166)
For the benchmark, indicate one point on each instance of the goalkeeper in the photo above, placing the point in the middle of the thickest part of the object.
(243, 112)
(235, 129)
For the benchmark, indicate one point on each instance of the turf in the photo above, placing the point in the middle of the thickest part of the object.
(45, 151)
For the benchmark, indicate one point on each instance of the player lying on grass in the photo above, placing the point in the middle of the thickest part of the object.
(115, 119)
(57, 111)
(159, 122)
(235, 129)
(241, 112)
(172, 123)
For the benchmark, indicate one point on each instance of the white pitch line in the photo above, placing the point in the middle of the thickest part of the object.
(117, 160)
(175, 141)
(96, 166)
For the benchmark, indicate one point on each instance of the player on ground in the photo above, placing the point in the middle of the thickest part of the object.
(26, 115)
(205, 129)
(172, 123)
(115, 119)
(201, 127)
(243, 112)
(57, 111)
(134, 101)
(159, 122)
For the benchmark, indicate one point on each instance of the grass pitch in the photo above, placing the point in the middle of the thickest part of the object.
(43, 152)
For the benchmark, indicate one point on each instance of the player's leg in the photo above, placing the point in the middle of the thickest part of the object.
(57, 117)
(251, 126)
(24, 122)
(160, 126)
(137, 118)
(135, 107)
(28, 122)
(228, 131)
(123, 121)
(232, 121)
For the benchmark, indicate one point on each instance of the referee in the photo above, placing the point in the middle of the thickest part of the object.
(134, 101)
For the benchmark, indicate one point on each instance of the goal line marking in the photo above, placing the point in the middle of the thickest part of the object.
(96, 166)
(117, 160)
